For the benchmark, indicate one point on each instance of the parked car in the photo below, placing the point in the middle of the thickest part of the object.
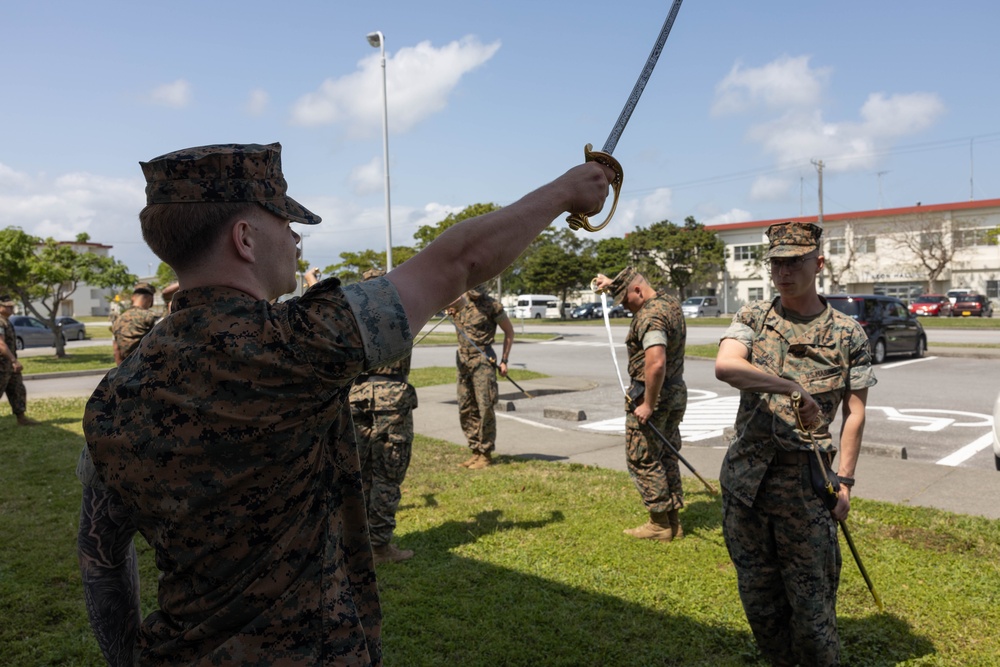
(953, 294)
(619, 311)
(891, 328)
(996, 433)
(72, 329)
(30, 332)
(587, 311)
(932, 305)
(701, 306)
(972, 305)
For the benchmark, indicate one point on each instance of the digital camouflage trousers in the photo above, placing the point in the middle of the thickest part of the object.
(12, 384)
(651, 464)
(385, 444)
(477, 397)
(787, 562)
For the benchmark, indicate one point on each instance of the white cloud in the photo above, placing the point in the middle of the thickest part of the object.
(176, 95)
(731, 216)
(766, 188)
(64, 206)
(367, 178)
(794, 131)
(785, 82)
(257, 102)
(419, 80)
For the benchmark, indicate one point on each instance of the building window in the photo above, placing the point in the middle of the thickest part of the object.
(968, 238)
(755, 293)
(865, 244)
(993, 289)
(930, 240)
(836, 246)
(747, 253)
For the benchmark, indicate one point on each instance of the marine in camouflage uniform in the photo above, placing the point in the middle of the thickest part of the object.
(226, 439)
(655, 345)
(130, 327)
(780, 535)
(11, 380)
(476, 317)
(382, 404)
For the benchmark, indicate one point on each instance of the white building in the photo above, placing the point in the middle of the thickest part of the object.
(87, 300)
(886, 251)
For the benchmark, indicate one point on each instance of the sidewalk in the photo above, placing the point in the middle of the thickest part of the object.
(526, 432)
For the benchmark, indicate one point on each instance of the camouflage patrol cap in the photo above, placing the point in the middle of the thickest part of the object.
(792, 239)
(619, 284)
(224, 173)
(169, 290)
(144, 288)
(6, 301)
(372, 273)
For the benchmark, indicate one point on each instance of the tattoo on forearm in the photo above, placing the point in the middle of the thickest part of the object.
(110, 572)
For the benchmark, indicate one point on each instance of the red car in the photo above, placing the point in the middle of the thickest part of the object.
(933, 305)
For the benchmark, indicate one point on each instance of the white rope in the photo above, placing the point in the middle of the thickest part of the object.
(611, 342)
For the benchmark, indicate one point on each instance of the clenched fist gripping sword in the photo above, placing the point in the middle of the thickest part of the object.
(831, 500)
(603, 156)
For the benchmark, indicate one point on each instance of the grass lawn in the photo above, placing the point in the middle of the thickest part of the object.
(524, 564)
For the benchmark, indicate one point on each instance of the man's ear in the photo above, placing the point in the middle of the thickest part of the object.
(820, 263)
(243, 236)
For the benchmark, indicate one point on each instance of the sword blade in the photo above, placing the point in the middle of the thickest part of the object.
(640, 84)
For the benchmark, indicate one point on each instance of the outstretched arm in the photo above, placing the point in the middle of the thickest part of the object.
(475, 250)
(110, 572)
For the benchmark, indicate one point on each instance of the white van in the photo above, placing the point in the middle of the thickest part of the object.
(534, 306)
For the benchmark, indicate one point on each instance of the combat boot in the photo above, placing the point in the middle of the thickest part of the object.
(390, 553)
(657, 528)
(483, 461)
(675, 523)
(469, 461)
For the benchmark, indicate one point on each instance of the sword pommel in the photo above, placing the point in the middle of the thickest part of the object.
(578, 220)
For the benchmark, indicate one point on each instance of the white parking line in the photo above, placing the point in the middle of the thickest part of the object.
(905, 363)
(967, 452)
(529, 422)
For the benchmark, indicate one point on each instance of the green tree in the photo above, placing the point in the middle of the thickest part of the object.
(43, 274)
(678, 255)
(354, 264)
(612, 255)
(560, 261)
(428, 233)
(164, 275)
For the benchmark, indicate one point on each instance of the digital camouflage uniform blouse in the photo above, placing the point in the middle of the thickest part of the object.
(217, 435)
(478, 319)
(659, 321)
(831, 356)
(131, 326)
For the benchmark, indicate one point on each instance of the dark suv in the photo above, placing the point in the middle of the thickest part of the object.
(891, 328)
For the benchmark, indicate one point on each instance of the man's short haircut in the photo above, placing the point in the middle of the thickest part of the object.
(183, 234)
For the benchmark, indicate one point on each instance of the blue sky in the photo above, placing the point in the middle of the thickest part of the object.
(488, 100)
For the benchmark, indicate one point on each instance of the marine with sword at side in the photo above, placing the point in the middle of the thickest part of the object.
(476, 316)
(796, 362)
(656, 400)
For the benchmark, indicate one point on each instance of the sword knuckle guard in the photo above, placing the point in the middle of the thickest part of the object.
(579, 220)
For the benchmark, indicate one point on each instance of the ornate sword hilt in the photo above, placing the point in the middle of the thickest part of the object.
(578, 220)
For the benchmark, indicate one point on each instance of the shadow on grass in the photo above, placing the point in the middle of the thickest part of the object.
(442, 608)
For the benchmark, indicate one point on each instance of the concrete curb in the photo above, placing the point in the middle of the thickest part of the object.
(64, 374)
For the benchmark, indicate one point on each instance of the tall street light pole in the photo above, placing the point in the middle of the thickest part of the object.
(377, 40)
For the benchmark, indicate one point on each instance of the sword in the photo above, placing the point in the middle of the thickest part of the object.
(603, 156)
(443, 318)
(493, 362)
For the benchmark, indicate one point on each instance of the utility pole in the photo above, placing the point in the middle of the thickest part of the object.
(819, 168)
(972, 172)
(880, 188)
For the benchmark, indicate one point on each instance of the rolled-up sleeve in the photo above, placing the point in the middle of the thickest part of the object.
(382, 323)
